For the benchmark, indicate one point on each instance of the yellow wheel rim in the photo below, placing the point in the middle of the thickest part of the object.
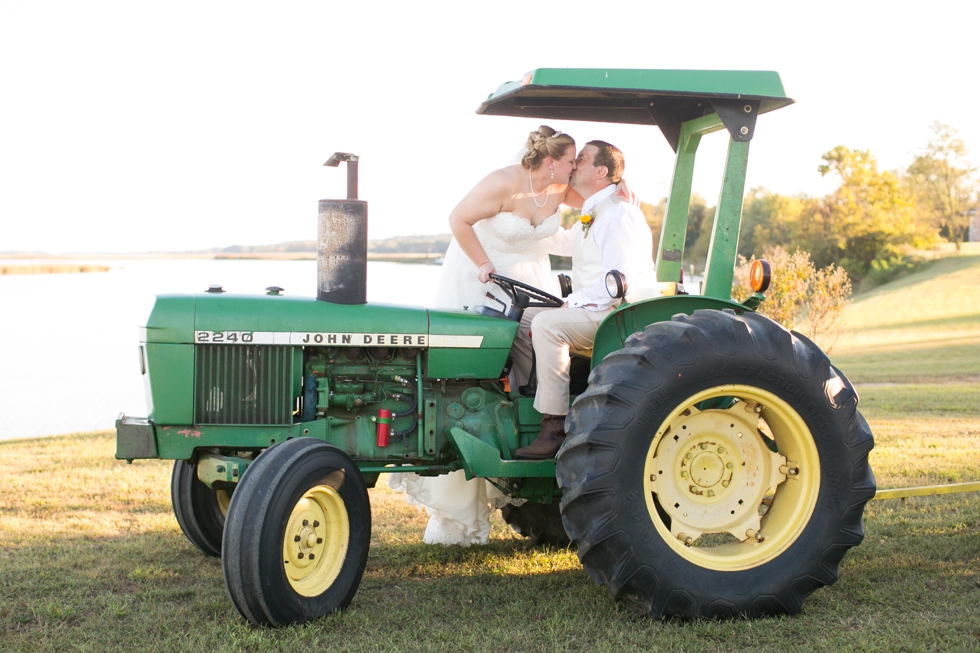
(315, 542)
(731, 502)
(223, 497)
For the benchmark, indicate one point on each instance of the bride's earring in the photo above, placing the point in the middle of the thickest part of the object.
(552, 172)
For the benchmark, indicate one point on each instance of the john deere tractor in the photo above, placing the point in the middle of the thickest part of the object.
(715, 466)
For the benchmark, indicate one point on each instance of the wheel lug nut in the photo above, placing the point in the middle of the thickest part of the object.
(685, 539)
(311, 556)
(300, 555)
(688, 456)
(319, 540)
(730, 466)
(693, 489)
(721, 449)
(725, 483)
(711, 493)
(704, 445)
(316, 524)
(306, 522)
(296, 538)
(684, 474)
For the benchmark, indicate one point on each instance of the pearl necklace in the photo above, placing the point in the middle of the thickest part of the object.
(533, 196)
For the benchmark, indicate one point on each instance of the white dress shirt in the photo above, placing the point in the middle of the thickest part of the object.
(625, 243)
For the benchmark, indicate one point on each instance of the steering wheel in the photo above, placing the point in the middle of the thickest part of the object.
(523, 295)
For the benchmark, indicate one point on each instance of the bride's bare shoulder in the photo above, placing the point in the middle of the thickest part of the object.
(502, 182)
(511, 175)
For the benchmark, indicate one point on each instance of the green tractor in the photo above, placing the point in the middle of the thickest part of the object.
(715, 466)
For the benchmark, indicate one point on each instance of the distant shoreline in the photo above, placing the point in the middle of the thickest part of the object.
(414, 258)
(390, 257)
(51, 269)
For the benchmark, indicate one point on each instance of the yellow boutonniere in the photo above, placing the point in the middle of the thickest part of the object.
(586, 221)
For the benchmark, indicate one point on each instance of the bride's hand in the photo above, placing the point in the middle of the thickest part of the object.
(484, 272)
(623, 190)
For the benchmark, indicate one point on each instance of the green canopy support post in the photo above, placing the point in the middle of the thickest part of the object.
(672, 235)
(723, 249)
(674, 231)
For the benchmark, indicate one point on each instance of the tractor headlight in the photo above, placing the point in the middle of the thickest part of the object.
(616, 284)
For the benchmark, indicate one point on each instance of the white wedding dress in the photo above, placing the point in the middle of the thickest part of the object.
(459, 510)
(517, 250)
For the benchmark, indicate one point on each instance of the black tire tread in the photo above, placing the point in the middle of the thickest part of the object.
(624, 390)
(196, 509)
(249, 514)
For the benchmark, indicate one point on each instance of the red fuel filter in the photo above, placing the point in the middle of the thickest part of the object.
(384, 426)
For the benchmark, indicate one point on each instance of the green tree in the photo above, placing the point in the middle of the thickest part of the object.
(771, 220)
(944, 182)
(870, 217)
(654, 214)
(570, 217)
(700, 220)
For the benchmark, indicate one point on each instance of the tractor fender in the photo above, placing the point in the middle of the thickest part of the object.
(628, 319)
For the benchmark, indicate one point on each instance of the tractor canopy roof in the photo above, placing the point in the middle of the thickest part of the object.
(666, 98)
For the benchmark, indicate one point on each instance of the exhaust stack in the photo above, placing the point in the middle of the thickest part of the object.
(341, 251)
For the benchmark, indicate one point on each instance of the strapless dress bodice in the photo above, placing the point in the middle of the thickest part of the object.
(509, 233)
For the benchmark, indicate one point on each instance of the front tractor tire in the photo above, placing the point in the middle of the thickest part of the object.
(717, 466)
(199, 510)
(297, 534)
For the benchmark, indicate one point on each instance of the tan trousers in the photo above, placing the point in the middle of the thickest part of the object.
(554, 331)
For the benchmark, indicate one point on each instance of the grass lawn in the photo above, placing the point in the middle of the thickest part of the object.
(91, 557)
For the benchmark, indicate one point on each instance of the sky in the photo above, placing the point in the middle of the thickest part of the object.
(138, 127)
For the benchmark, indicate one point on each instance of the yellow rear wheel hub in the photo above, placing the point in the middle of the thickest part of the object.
(730, 501)
(315, 541)
(223, 498)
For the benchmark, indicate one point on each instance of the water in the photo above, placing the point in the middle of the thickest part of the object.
(69, 342)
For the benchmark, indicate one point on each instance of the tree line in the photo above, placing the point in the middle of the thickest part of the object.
(870, 226)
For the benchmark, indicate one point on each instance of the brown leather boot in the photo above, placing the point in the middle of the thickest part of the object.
(548, 441)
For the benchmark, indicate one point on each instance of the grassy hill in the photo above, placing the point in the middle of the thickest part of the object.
(921, 328)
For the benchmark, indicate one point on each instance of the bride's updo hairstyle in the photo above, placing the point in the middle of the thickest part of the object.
(545, 142)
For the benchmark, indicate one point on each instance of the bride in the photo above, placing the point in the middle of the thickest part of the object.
(500, 227)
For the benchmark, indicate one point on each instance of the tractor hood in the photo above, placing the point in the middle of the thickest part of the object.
(460, 344)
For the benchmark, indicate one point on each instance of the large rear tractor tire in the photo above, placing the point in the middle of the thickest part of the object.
(297, 534)
(199, 510)
(717, 466)
(539, 522)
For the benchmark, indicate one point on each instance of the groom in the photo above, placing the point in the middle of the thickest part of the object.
(617, 238)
